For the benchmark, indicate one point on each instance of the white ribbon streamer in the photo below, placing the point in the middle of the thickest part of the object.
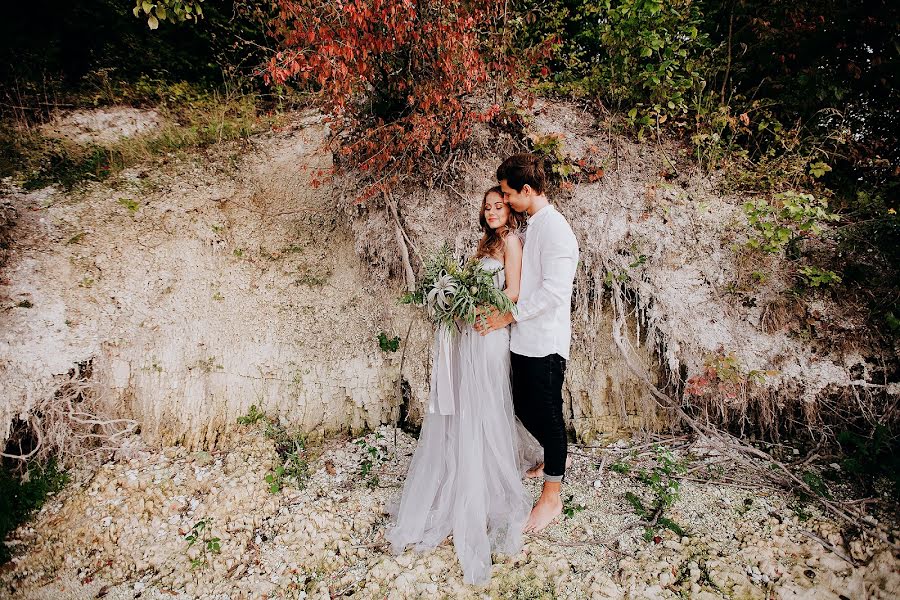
(442, 399)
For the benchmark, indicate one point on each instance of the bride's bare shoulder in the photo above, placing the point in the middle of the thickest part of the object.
(513, 238)
(512, 242)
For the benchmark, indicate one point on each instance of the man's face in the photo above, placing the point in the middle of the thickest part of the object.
(519, 201)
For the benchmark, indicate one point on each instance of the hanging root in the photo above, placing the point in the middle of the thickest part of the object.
(402, 241)
(68, 424)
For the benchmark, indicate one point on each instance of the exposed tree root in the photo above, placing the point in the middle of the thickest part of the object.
(67, 424)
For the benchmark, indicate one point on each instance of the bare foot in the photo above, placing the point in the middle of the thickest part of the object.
(535, 471)
(538, 470)
(548, 507)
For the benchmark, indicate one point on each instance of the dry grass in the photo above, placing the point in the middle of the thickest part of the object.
(191, 118)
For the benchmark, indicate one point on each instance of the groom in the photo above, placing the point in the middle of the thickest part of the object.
(541, 332)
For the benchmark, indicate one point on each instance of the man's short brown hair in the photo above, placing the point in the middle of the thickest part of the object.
(521, 169)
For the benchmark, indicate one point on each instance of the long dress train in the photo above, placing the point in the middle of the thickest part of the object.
(465, 477)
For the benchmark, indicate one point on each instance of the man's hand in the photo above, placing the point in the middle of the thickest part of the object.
(490, 319)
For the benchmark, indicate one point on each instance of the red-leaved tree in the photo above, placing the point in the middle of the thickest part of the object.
(399, 78)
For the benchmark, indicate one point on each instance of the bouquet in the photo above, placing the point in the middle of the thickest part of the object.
(452, 291)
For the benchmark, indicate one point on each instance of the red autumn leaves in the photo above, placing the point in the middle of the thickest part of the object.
(397, 76)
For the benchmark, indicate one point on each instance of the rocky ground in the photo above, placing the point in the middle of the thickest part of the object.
(176, 524)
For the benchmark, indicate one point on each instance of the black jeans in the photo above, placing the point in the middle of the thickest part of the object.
(537, 397)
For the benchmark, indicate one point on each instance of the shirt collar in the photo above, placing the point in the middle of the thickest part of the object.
(539, 214)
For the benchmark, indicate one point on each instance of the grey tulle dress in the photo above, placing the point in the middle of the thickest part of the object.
(465, 477)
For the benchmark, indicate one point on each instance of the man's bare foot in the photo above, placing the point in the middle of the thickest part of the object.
(535, 471)
(538, 470)
(548, 507)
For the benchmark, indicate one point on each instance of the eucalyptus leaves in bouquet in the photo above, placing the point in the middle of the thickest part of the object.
(453, 291)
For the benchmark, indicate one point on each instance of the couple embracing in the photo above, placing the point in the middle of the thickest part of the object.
(506, 419)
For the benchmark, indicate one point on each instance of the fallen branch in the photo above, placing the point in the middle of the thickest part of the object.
(606, 543)
(829, 546)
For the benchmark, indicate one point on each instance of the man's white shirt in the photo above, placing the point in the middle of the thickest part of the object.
(543, 312)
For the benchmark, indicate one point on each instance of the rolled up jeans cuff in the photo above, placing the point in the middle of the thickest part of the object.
(553, 478)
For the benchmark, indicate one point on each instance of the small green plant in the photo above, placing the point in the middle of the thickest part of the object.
(313, 280)
(551, 147)
(275, 479)
(801, 509)
(620, 467)
(239, 252)
(663, 484)
(25, 304)
(662, 477)
(638, 261)
(611, 277)
(174, 11)
(372, 457)
(815, 483)
(759, 276)
(818, 169)
(745, 506)
(218, 297)
(207, 365)
(292, 459)
(76, 238)
(154, 366)
(892, 321)
(200, 533)
(816, 277)
(292, 467)
(253, 416)
(871, 456)
(570, 508)
(388, 344)
(130, 204)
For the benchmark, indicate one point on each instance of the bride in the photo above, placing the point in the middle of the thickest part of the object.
(465, 477)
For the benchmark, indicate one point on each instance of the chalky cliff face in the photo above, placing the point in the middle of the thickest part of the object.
(184, 293)
(189, 291)
(196, 288)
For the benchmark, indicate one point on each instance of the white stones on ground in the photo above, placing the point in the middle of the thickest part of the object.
(329, 536)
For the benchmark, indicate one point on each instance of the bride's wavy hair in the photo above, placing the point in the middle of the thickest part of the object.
(491, 243)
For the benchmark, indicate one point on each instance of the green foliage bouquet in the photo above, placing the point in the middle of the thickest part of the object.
(453, 291)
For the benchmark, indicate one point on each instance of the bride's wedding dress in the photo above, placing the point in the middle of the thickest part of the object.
(465, 477)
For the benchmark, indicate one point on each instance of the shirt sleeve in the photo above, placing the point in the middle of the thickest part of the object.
(559, 259)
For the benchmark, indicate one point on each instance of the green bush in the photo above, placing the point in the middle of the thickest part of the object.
(647, 57)
(793, 215)
(21, 495)
(871, 456)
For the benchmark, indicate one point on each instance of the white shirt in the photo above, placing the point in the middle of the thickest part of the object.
(543, 313)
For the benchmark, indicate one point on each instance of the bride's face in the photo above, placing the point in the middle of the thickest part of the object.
(496, 211)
